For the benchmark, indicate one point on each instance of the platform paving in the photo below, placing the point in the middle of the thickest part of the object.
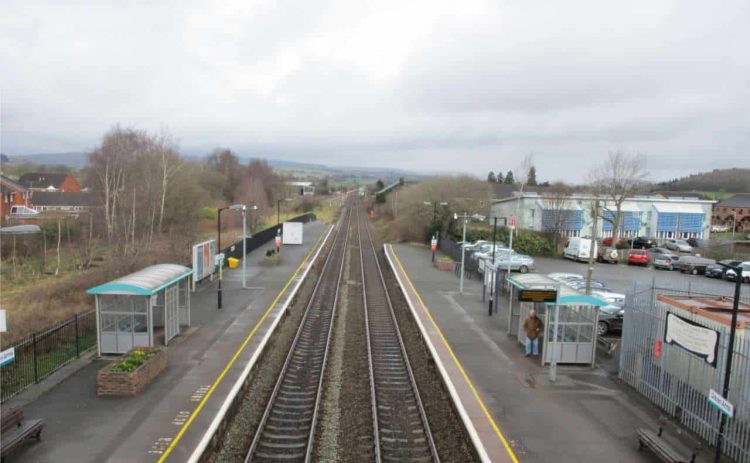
(83, 427)
(586, 415)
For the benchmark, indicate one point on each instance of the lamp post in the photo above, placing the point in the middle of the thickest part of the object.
(278, 210)
(243, 208)
(221, 261)
(466, 218)
(730, 351)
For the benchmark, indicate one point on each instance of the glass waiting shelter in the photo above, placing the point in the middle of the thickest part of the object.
(578, 317)
(143, 309)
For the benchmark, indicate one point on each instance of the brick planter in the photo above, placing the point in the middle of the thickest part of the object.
(130, 383)
(444, 265)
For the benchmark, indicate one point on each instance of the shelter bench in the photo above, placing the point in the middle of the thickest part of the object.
(15, 430)
(661, 448)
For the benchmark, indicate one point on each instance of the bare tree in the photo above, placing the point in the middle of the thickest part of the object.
(619, 177)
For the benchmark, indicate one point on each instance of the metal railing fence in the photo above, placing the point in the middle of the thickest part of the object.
(44, 352)
(679, 382)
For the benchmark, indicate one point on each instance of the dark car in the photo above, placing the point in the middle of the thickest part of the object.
(718, 271)
(695, 265)
(610, 319)
(641, 242)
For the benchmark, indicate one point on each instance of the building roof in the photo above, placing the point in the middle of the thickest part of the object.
(741, 200)
(7, 185)
(55, 198)
(43, 179)
(717, 308)
(145, 282)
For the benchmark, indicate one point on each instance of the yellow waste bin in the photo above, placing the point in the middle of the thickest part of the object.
(233, 263)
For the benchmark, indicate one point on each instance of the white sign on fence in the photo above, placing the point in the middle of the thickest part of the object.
(721, 403)
(292, 233)
(203, 260)
(3, 322)
(7, 356)
(696, 339)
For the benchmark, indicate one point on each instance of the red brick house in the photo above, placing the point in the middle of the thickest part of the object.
(734, 211)
(49, 181)
(13, 194)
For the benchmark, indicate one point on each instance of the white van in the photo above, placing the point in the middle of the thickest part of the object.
(579, 249)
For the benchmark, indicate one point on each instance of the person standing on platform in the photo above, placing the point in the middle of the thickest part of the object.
(533, 327)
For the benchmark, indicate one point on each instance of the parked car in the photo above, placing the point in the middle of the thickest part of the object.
(677, 245)
(638, 257)
(608, 255)
(653, 253)
(484, 251)
(719, 271)
(610, 319)
(745, 275)
(695, 265)
(610, 297)
(517, 262)
(565, 276)
(641, 242)
(607, 241)
(666, 262)
(469, 247)
(579, 249)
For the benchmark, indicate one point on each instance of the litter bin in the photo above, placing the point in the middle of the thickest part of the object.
(233, 263)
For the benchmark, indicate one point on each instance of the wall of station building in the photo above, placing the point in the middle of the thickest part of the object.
(660, 218)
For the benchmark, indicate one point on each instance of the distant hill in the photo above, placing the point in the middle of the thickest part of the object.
(718, 180)
(78, 160)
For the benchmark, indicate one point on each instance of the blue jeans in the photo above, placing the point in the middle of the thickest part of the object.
(532, 343)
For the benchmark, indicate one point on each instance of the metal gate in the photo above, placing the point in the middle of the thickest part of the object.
(676, 381)
(171, 313)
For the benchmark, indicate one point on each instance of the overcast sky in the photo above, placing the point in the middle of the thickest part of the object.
(460, 86)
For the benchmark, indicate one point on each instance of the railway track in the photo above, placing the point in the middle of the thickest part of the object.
(287, 428)
(400, 427)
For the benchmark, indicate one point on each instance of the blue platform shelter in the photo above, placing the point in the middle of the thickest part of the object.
(143, 309)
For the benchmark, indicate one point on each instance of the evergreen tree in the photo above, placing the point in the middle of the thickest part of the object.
(532, 176)
(500, 177)
(491, 177)
(509, 180)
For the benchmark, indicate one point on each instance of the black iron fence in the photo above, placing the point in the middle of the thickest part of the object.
(453, 250)
(262, 237)
(42, 353)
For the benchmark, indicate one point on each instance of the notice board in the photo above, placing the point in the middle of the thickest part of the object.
(292, 233)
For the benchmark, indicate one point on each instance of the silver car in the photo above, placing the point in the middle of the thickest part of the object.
(666, 262)
(678, 245)
(517, 262)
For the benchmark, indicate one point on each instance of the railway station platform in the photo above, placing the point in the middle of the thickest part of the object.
(169, 419)
(516, 412)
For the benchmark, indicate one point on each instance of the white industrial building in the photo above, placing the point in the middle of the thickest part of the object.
(572, 215)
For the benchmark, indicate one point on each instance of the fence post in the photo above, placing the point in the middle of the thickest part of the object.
(78, 349)
(36, 372)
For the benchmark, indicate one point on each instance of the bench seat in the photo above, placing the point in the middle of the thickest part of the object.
(661, 448)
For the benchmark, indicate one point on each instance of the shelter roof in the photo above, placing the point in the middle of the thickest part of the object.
(567, 295)
(145, 282)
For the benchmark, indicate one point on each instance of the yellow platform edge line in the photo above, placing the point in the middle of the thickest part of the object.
(474, 391)
(236, 355)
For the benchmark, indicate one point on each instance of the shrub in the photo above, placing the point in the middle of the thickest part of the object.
(532, 244)
(208, 213)
(134, 359)
(380, 198)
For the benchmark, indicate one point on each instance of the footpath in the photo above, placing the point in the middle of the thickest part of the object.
(586, 415)
(168, 419)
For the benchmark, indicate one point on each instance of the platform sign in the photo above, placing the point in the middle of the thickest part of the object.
(433, 244)
(722, 404)
(7, 356)
(513, 222)
(292, 233)
(537, 295)
(698, 340)
(204, 258)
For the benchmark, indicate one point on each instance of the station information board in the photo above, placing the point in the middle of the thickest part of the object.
(537, 295)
